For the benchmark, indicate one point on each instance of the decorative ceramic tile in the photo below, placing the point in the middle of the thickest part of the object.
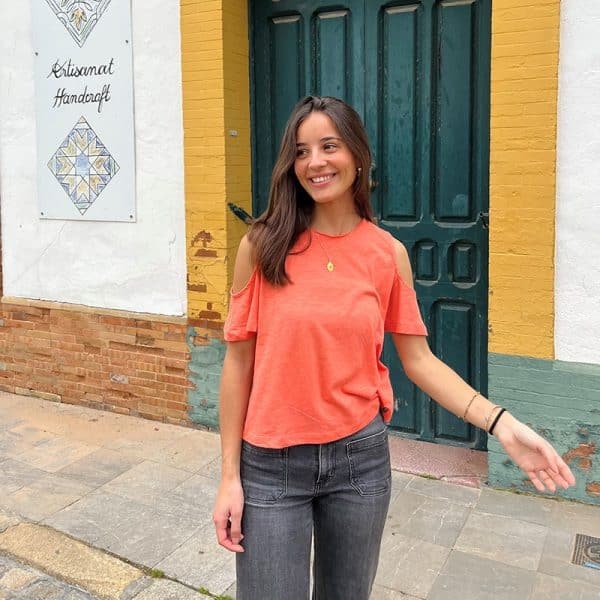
(79, 16)
(83, 166)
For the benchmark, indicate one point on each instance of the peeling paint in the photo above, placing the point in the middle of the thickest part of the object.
(593, 488)
(580, 456)
(202, 236)
(560, 400)
(206, 363)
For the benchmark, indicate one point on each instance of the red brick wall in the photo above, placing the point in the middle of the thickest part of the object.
(122, 362)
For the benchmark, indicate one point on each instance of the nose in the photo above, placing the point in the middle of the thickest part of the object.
(316, 160)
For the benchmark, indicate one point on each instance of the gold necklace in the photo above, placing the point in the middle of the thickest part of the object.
(330, 266)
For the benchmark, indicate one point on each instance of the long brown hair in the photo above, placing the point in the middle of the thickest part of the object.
(290, 207)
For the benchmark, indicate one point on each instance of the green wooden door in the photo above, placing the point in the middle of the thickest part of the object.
(418, 73)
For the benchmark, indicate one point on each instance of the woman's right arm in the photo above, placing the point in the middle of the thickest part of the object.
(236, 381)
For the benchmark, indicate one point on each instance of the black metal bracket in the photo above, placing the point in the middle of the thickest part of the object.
(240, 213)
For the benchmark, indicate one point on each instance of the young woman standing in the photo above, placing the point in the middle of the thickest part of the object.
(304, 394)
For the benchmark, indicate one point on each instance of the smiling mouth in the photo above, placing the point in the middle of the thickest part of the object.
(321, 179)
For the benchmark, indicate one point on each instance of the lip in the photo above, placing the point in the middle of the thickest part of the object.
(322, 183)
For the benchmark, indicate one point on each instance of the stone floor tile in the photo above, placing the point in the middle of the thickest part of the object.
(197, 490)
(168, 590)
(54, 454)
(468, 577)
(212, 469)
(46, 589)
(146, 481)
(556, 558)
(191, 452)
(549, 587)
(519, 506)
(577, 517)
(503, 539)
(194, 498)
(449, 491)
(99, 467)
(95, 516)
(32, 435)
(399, 482)
(382, 593)
(145, 437)
(8, 421)
(434, 520)
(15, 474)
(150, 449)
(201, 562)
(409, 565)
(8, 519)
(12, 445)
(44, 496)
(16, 578)
(148, 537)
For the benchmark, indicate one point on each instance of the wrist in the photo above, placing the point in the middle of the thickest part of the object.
(504, 425)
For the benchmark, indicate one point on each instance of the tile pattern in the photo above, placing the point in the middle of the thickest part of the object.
(82, 165)
(79, 16)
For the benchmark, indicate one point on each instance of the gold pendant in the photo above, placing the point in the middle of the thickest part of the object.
(330, 266)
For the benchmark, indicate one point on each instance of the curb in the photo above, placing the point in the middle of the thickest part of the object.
(95, 571)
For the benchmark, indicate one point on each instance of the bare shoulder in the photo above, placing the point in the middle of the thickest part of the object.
(244, 264)
(403, 262)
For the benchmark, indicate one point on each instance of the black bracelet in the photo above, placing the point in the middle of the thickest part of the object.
(502, 411)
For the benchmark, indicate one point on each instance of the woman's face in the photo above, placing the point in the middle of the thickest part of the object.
(324, 165)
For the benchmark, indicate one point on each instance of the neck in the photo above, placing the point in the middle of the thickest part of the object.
(335, 218)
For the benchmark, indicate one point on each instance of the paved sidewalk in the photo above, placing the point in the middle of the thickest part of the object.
(97, 505)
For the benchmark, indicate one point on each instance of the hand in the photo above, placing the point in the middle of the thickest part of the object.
(227, 515)
(536, 457)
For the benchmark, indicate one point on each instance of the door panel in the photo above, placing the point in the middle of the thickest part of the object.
(299, 48)
(418, 74)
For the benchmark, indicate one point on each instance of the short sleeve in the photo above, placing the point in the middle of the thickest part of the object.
(242, 318)
(403, 315)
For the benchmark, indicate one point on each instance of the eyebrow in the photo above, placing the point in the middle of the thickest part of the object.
(324, 139)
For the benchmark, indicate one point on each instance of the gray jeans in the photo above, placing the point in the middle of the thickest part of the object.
(339, 491)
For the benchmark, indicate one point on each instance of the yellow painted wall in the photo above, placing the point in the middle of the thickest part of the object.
(237, 118)
(524, 85)
(214, 48)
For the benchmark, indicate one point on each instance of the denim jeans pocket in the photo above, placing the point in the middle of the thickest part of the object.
(264, 473)
(369, 461)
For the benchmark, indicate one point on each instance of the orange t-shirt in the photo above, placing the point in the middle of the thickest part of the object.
(318, 375)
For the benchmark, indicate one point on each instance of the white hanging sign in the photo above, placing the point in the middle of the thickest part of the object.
(84, 105)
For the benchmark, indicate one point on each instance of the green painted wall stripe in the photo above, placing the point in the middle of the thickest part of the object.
(561, 401)
(206, 364)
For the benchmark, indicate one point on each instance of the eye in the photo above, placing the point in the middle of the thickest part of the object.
(300, 151)
(330, 146)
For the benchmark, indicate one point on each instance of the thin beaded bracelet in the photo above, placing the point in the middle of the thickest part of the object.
(495, 422)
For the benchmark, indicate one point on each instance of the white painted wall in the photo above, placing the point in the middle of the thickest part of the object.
(131, 266)
(577, 285)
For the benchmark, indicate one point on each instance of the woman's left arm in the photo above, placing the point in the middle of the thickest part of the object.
(534, 455)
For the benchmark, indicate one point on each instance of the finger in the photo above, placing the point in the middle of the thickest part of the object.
(558, 477)
(565, 472)
(221, 529)
(236, 527)
(224, 536)
(536, 482)
(547, 480)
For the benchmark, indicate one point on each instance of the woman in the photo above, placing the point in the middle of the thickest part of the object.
(304, 395)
